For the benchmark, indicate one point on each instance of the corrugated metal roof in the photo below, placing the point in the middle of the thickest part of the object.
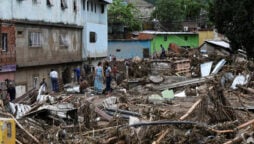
(220, 43)
(163, 33)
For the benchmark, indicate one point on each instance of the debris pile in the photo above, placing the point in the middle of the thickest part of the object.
(184, 98)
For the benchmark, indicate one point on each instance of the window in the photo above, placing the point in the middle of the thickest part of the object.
(63, 4)
(35, 39)
(87, 5)
(49, 3)
(91, 6)
(165, 38)
(102, 8)
(35, 1)
(118, 50)
(63, 42)
(35, 81)
(20, 33)
(94, 7)
(75, 6)
(84, 4)
(92, 37)
(4, 42)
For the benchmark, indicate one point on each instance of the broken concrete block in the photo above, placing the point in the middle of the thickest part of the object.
(155, 99)
(156, 79)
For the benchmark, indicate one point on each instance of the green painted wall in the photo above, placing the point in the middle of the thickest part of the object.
(190, 40)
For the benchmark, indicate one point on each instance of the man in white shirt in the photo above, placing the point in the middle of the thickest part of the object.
(54, 80)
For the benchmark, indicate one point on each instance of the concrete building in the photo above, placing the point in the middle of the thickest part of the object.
(37, 35)
(182, 39)
(125, 49)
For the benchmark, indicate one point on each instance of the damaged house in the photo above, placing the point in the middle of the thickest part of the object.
(38, 35)
(216, 47)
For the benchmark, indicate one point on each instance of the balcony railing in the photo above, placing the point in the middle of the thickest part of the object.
(7, 58)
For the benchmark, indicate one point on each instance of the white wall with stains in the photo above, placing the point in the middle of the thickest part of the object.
(88, 14)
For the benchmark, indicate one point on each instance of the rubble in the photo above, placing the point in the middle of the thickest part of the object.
(181, 99)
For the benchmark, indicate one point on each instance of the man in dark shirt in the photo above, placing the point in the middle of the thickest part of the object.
(12, 92)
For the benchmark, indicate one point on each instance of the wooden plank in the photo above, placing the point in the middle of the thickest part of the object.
(183, 83)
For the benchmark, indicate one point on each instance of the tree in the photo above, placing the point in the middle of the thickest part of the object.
(171, 13)
(122, 13)
(235, 19)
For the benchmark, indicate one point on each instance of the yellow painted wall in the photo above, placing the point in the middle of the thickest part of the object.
(205, 35)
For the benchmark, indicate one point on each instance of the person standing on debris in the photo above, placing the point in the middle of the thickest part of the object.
(77, 73)
(1, 99)
(11, 91)
(44, 86)
(108, 77)
(98, 78)
(54, 80)
(83, 85)
(114, 72)
(163, 52)
(110, 57)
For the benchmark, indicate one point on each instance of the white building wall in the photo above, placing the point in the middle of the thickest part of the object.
(5, 9)
(40, 11)
(100, 47)
(30, 10)
(95, 22)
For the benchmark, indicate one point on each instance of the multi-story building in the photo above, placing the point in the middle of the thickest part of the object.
(38, 35)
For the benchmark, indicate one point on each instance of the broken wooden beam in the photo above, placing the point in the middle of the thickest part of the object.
(250, 90)
(100, 112)
(103, 114)
(191, 109)
(99, 130)
(237, 128)
(183, 83)
(163, 123)
(161, 136)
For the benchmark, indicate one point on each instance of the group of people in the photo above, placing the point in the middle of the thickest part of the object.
(103, 73)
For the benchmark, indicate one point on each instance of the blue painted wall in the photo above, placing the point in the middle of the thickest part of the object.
(128, 48)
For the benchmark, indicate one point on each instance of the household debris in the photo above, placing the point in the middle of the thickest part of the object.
(184, 98)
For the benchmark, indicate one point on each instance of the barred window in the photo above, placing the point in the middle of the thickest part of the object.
(4, 42)
(35, 39)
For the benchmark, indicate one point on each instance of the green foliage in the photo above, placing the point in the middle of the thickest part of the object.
(235, 19)
(121, 13)
(169, 13)
(172, 12)
(191, 8)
